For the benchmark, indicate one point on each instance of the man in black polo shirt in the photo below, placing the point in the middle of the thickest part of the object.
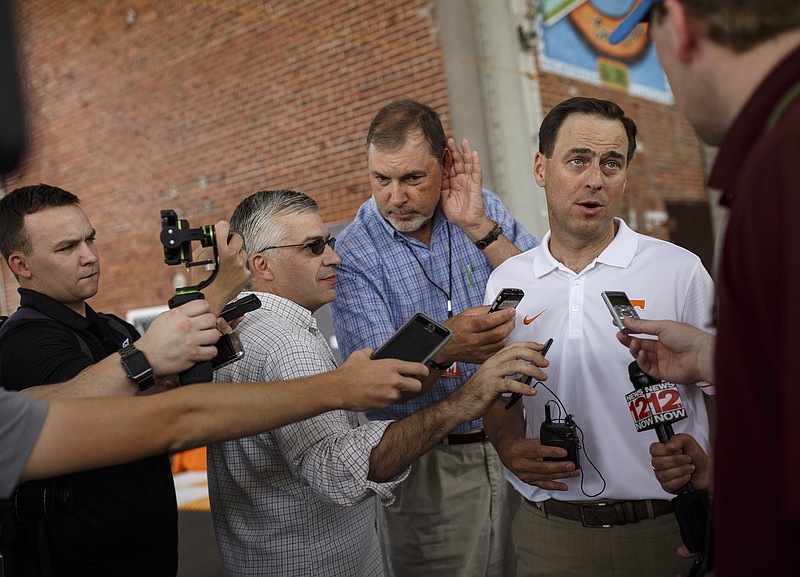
(119, 520)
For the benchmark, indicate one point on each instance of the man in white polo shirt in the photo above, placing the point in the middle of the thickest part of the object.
(610, 516)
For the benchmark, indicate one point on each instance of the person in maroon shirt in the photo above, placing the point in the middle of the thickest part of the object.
(735, 71)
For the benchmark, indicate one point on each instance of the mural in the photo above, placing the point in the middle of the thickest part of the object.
(573, 42)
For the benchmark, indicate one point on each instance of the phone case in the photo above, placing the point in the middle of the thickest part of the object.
(418, 340)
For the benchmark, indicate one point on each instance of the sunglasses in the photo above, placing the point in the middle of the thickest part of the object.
(317, 246)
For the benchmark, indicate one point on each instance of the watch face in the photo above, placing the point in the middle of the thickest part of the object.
(137, 364)
(137, 367)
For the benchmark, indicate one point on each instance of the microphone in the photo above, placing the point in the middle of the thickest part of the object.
(655, 404)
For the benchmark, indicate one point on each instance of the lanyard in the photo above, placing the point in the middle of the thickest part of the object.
(447, 295)
(783, 104)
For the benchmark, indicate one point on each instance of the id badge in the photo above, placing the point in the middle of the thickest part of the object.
(452, 371)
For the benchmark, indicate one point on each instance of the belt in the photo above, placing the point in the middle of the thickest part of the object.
(605, 513)
(474, 437)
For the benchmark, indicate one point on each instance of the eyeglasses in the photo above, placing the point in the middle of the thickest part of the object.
(317, 246)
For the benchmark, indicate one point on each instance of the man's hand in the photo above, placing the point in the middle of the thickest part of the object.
(679, 461)
(483, 388)
(462, 194)
(367, 384)
(523, 457)
(179, 338)
(234, 271)
(681, 353)
(476, 335)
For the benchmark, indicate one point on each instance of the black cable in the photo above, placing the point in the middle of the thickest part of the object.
(448, 296)
(585, 454)
(580, 445)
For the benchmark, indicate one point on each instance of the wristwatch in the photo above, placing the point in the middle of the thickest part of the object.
(136, 367)
(438, 366)
(493, 235)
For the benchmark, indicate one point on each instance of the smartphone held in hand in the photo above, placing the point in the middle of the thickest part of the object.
(418, 340)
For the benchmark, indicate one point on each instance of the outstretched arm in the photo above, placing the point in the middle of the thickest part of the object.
(405, 440)
(86, 433)
(175, 341)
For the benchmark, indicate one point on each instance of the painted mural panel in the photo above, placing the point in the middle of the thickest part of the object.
(573, 42)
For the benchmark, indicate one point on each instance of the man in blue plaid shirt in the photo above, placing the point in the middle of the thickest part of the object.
(427, 241)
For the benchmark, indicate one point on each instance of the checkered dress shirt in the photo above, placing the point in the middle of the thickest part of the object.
(295, 500)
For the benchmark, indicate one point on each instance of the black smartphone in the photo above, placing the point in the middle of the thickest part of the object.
(507, 298)
(418, 340)
(229, 349)
(238, 308)
(620, 306)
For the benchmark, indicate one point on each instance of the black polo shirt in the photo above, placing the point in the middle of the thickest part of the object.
(124, 519)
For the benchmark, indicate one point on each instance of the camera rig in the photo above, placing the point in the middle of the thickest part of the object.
(177, 238)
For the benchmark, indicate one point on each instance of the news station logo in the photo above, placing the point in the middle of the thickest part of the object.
(653, 405)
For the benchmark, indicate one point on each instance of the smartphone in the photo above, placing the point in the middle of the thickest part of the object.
(418, 340)
(229, 349)
(238, 308)
(620, 307)
(507, 299)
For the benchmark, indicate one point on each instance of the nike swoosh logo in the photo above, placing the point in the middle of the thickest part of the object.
(528, 321)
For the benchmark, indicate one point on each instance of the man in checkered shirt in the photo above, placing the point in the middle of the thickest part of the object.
(300, 500)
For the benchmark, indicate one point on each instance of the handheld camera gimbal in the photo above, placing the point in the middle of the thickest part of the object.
(177, 237)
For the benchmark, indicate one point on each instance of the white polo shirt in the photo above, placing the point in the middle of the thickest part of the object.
(589, 367)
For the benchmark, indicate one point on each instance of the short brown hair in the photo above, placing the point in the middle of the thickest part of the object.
(393, 123)
(19, 203)
(551, 125)
(742, 24)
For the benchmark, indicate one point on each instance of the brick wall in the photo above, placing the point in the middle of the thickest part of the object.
(141, 105)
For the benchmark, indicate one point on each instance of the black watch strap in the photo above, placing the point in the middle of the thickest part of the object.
(136, 367)
(438, 366)
(493, 235)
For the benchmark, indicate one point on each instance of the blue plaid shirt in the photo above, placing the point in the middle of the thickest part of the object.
(380, 285)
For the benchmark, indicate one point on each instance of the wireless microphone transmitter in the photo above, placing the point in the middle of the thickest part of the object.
(564, 435)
